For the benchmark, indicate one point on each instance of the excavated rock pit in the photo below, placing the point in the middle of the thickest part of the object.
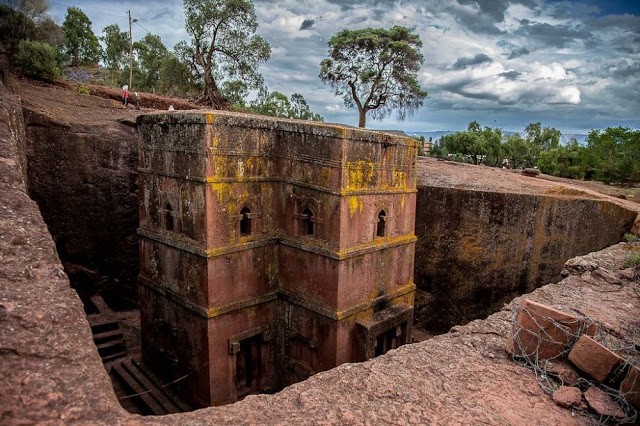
(484, 235)
(82, 155)
(487, 235)
(52, 371)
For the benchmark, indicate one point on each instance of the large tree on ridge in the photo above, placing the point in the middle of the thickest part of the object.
(375, 69)
(81, 43)
(224, 44)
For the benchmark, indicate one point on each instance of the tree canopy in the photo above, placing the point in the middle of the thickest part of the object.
(26, 20)
(375, 69)
(611, 155)
(116, 47)
(150, 56)
(175, 78)
(614, 154)
(277, 104)
(223, 44)
(81, 43)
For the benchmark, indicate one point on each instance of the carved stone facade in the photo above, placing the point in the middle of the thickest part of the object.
(270, 249)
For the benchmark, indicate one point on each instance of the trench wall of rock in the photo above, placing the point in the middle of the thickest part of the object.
(477, 250)
(84, 179)
(50, 368)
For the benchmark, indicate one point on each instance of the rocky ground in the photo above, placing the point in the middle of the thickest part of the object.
(450, 174)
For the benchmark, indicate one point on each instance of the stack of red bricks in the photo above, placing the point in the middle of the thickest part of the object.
(549, 338)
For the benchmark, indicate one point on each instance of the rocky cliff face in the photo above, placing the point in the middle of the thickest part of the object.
(486, 236)
(82, 163)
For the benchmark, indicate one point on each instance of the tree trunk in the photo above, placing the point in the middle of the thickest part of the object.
(362, 119)
(211, 95)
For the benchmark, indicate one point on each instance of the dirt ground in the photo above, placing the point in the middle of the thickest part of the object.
(63, 102)
(449, 174)
(631, 193)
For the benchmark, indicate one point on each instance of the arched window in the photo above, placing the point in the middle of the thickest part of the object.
(307, 221)
(168, 217)
(382, 221)
(245, 221)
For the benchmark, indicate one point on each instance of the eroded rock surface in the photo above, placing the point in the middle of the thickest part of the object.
(49, 366)
(486, 235)
(82, 160)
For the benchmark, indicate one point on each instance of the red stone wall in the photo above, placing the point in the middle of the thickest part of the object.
(307, 290)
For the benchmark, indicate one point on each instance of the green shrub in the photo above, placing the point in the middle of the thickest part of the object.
(632, 260)
(82, 89)
(630, 238)
(37, 60)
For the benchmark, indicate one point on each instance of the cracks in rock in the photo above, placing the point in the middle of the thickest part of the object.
(21, 354)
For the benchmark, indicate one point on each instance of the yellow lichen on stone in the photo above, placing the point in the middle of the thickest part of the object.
(360, 175)
(399, 179)
(355, 204)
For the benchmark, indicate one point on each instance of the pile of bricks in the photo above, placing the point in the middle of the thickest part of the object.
(559, 343)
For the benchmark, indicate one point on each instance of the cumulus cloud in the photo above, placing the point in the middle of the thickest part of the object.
(518, 52)
(538, 84)
(463, 63)
(306, 24)
(334, 108)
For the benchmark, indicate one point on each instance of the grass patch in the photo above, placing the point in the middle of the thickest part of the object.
(632, 261)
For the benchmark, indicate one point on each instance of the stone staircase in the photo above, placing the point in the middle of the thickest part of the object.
(107, 335)
(109, 340)
(145, 390)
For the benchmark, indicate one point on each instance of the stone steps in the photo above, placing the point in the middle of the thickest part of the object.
(109, 340)
(146, 390)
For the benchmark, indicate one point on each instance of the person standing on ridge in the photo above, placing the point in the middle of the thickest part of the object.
(125, 95)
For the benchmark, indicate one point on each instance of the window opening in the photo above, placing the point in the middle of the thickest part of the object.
(168, 217)
(307, 221)
(382, 221)
(245, 221)
(390, 339)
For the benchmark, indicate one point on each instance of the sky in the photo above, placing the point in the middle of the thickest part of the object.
(573, 65)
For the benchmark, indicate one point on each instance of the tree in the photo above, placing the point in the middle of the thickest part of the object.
(175, 78)
(236, 91)
(517, 150)
(151, 52)
(540, 139)
(484, 145)
(37, 59)
(615, 154)
(224, 44)
(32, 9)
(494, 148)
(300, 109)
(48, 31)
(82, 44)
(276, 104)
(116, 47)
(19, 20)
(375, 69)
(565, 161)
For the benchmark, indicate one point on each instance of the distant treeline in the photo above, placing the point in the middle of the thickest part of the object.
(610, 156)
